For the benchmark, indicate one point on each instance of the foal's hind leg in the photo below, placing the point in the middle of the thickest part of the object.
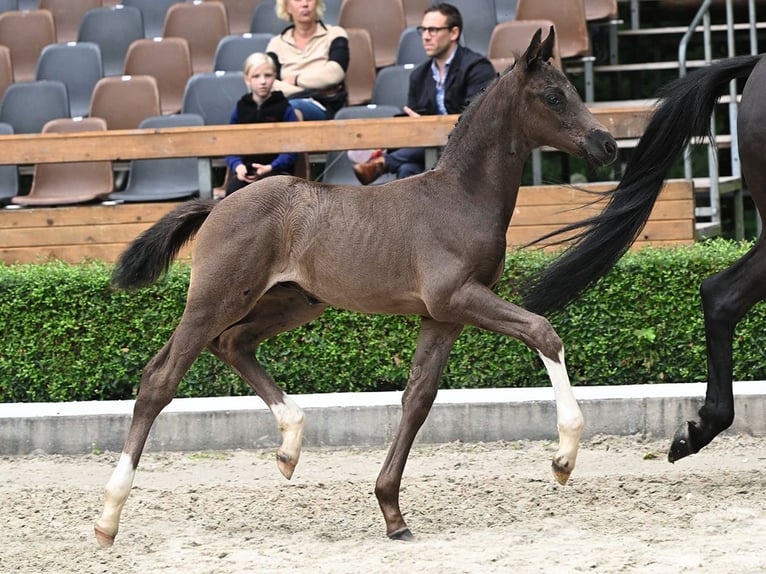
(726, 297)
(434, 345)
(158, 387)
(281, 309)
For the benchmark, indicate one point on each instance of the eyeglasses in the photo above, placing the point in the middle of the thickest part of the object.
(432, 30)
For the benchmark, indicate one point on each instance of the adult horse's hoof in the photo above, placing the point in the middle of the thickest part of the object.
(104, 540)
(561, 470)
(682, 444)
(286, 464)
(402, 534)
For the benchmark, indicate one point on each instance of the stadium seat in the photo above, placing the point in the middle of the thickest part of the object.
(71, 182)
(383, 20)
(153, 13)
(265, 19)
(392, 86)
(360, 76)
(163, 179)
(124, 101)
(76, 64)
(213, 96)
(169, 61)
(410, 49)
(28, 106)
(6, 69)
(8, 5)
(233, 50)
(505, 10)
(113, 29)
(511, 38)
(339, 169)
(203, 24)
(479, 18)
(240, 14)
(9, 174)
(67, 15)
(26, 33)
(413, 11)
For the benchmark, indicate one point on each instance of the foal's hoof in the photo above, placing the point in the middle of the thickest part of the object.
(682, 444)
(286, 464)
(104, 540)
(561, 468)
(402, 534)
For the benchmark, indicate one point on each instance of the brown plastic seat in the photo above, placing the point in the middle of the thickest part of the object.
(569, 19)
(124, 101)
(414, 10)
(72, 182)
(203, 24)
(67, 15)
(240, 14)
(168, 60)
(26, 33)
(360, 76)
(600, 10)
(6, 69)
(571, 31)
(510, 38)
(383, 20)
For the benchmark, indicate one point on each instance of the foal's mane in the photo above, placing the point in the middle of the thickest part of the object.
(464, 120)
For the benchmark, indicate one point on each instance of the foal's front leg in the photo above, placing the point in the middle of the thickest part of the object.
(434, 345)
(475, 304)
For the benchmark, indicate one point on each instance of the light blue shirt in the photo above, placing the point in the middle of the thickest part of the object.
(440, 82)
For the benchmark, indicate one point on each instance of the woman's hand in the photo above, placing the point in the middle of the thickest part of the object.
(242, 175)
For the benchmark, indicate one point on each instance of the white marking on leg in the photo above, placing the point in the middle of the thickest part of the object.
(568, 417)
(115, 495)
(291, 422)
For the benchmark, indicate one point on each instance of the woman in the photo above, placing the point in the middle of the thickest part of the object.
(312, 59)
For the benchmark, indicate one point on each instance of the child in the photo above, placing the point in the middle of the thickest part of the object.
(260, 105)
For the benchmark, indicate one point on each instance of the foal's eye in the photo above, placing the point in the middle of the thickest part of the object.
(554, 99)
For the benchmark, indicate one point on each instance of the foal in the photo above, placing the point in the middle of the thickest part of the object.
(276, 254)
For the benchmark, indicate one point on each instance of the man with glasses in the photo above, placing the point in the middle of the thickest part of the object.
(444, 84)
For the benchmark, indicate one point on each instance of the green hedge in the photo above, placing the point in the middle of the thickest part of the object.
(68, 336)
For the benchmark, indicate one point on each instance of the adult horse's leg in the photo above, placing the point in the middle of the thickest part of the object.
(158, 387)
(434, 345)
(726, 298)
(281, 309)
(475, 304)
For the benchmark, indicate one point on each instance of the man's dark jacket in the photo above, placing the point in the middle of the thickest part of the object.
(468, 73)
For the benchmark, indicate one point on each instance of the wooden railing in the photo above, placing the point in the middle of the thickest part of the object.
(102, 232)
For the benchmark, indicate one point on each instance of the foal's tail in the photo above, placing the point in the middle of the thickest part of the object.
(683, 112)
(152, 252)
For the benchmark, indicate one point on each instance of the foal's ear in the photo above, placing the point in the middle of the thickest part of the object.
(533, 52)
(546, 50)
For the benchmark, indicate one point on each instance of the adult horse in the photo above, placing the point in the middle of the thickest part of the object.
(683, 112)
(273, 256)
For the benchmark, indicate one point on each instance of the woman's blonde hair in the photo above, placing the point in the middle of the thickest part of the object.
(257, 59)
(281, 9)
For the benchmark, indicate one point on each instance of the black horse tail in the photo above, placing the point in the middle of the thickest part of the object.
(683, 112)
(149, 256)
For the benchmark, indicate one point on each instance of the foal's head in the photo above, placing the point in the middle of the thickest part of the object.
(550, 109)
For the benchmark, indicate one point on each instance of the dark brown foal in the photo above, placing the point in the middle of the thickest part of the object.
(275, 254)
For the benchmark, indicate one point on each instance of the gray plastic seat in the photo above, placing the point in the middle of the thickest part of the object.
(28, 106)
(331, 11)
(339, 169)
(76, 64)
(410, 49)
(153, 14)
(9, 174)
(163, 179)
(8, 5)
(213, 96)
(232, 50)
(113, 28)
(265, 19)
(392, 85)
(479, 18)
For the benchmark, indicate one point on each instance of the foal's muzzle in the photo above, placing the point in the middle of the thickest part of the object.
(600, 147)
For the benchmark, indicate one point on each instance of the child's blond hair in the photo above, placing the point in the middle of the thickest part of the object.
(257, 59)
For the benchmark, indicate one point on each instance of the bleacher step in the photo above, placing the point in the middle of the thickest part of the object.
(670, 30)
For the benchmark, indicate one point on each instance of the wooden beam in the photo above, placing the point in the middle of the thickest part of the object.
(217, 141)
